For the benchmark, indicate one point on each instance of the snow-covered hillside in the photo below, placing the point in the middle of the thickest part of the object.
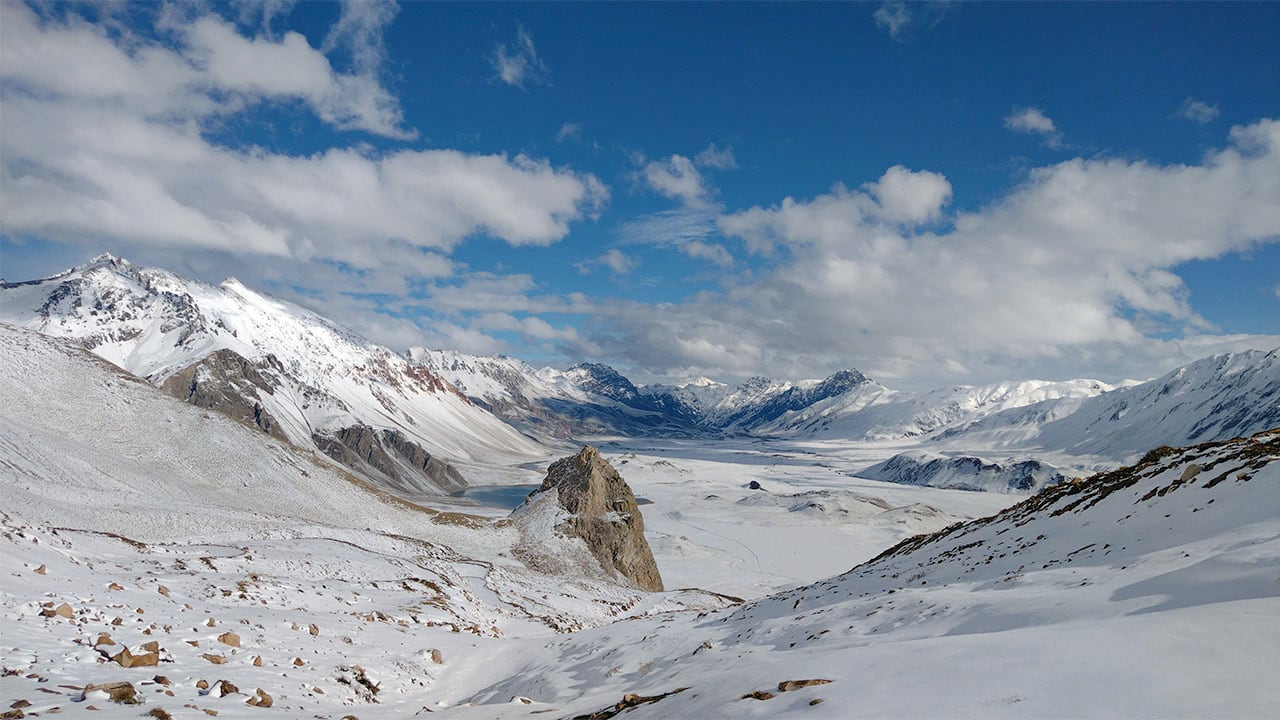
(274, 365)
(122, 502)
(550, 403)
(1145, 592)
(888, 415)
(1214, 398)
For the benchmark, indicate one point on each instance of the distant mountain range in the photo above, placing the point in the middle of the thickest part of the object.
(413, 423)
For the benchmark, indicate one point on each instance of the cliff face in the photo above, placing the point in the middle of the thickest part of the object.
(392, 459)
(232, 385)
(602, 511)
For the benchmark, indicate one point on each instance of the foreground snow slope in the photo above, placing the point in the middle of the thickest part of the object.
(317, 378)
(1150, 591)
(125, 503)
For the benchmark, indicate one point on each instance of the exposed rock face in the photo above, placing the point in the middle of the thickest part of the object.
(603, 512)
(964, 473)
(388, 455)
(227, 382)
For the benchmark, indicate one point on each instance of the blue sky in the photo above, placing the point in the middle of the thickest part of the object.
(944, 192)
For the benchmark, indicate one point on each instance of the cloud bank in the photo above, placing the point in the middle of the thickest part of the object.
(1074, 268)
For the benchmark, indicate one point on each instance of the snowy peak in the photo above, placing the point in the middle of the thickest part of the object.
(257, 357)
(1214, 398)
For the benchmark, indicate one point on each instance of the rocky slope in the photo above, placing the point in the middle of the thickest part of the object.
(274, 366)
(964, 472)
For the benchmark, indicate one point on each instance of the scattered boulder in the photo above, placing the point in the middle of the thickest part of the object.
(223, 688)
(229, 638)
(215, 659)
(757, 695)
(603, 513)
(63, 610)
(789, 685)
(127, 659)
(122, 693)
(260, 699)
(436, 656)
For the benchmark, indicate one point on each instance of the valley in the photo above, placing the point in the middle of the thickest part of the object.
(951, 535)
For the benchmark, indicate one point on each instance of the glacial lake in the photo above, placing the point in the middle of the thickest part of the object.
(510, 497)
(507, 497)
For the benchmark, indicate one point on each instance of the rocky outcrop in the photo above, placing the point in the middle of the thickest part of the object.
(964, 472)
(393, 459)
(230, 384)
(602, 511)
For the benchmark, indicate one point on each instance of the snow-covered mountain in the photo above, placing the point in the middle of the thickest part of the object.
(276, 366)
(585, 400)
(595, 399)
(889, 415)
(1215, 398)
(272, 584)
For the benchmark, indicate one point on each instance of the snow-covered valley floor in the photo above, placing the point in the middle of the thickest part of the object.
(261, 571)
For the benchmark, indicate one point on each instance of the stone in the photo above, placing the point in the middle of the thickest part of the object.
(789, 685)
(605, 515)
(42, 570)
(215, 659)
(757, 695)
(223, 688)
(122, 693)
(260, 699)
(128, 660)
(437, 657)
(229, 638)
(63, 610)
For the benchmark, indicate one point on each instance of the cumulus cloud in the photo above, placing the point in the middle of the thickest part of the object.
(1034, 121)
(1079, 263)
(1198, 111)
(115, 150)
(893, 17)
(677, 178)
(518, 64)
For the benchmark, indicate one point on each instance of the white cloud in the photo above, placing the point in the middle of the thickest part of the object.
(1034, 121)
(567, 131)
(715, 158)
(707, 251)
(1198, 111)
(618, 262)
(910, 197)
(104, 142)
(894, 17)
(1073, 270)
(677, 178)
(518, 63)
